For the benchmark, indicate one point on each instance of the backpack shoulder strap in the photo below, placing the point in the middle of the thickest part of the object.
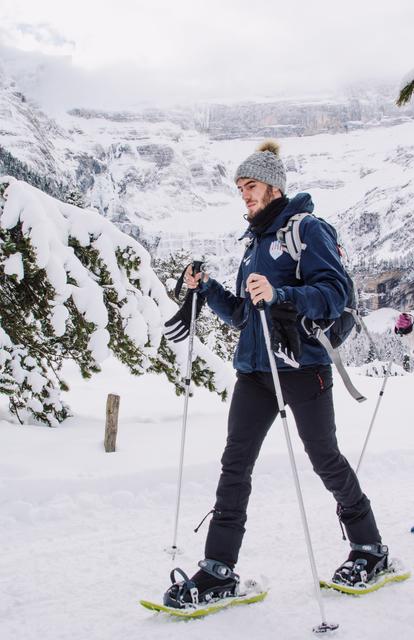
(337, 360)
(289, 236)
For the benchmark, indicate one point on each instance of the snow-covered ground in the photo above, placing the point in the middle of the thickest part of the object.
(83, 531)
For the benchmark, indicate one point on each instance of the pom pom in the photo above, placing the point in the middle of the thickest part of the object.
(270, 145)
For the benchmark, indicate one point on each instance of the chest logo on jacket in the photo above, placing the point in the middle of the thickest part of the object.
(276, 249)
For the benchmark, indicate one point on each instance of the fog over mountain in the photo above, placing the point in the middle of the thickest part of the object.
(120, 55)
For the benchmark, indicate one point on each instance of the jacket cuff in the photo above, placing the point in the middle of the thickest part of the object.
(204, 287)
(278, 296)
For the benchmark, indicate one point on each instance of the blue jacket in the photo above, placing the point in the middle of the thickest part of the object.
(320, 294)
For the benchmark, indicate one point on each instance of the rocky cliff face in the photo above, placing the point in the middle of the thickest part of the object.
(28, 133)
(272, 118)
(290, 118)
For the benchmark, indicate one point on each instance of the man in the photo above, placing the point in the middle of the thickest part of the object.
(268, 272)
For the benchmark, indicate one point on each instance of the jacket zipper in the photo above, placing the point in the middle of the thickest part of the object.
(257, 327)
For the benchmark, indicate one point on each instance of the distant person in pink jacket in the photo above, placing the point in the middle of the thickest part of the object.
(404, 327)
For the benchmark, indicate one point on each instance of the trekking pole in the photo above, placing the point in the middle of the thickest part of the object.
(324, 626)
(174, 550)
(374, 415)
(381, 393)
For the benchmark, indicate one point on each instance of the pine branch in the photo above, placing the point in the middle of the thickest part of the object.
(14, 410)
(405, 94)
(35, 348)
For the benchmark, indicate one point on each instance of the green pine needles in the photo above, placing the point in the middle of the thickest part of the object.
(405, 94)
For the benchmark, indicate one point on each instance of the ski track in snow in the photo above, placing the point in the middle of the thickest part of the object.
(83, 532)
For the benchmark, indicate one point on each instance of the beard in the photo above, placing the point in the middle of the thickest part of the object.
(266, 199)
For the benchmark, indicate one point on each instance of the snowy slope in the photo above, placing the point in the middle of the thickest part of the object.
(83, 532)
(28, 133)
(162, 175)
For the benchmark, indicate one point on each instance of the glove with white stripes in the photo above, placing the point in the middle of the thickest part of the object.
(284, 334)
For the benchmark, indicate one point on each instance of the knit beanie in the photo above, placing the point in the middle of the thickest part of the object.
(264, 165)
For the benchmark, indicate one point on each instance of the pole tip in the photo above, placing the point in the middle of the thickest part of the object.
(325, 628)
(173, 551)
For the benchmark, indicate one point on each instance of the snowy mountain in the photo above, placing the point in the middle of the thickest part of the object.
(29, 134)
(165, 176)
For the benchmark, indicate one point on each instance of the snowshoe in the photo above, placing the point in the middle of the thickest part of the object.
(363, 565)
(253, 595)
(214, 581)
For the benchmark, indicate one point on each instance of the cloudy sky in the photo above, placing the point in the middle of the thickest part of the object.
(116, 53)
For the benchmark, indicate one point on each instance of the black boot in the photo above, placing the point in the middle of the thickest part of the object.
(213, 582)
(364, 563)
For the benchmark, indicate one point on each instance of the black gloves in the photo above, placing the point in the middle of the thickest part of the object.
(181, 321)
(284, 335)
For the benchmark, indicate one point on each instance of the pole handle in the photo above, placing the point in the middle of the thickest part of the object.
(196, 267)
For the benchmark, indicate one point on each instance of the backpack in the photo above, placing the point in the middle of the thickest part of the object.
(340, 328)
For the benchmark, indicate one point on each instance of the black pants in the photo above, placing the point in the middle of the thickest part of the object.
(253, 409)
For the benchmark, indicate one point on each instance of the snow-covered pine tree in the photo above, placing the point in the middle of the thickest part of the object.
(371, 355)
(406, 363)
(358, 351)
(74, 196)
(12, 166)
(73, 286)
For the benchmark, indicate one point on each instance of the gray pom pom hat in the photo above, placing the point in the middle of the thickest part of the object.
(264, 165)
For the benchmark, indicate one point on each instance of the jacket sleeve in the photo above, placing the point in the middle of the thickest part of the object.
(323, 294)
(220, 300)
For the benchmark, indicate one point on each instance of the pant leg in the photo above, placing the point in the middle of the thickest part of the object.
(310, 398)
(253, 410)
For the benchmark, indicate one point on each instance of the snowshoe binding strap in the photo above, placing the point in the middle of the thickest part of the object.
(365, 562)
(182, 594)
(218, 569)
(378, 550)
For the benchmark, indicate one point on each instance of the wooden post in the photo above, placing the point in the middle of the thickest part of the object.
(111, 427)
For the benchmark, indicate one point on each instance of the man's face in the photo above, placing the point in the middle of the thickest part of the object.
(256, 195)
